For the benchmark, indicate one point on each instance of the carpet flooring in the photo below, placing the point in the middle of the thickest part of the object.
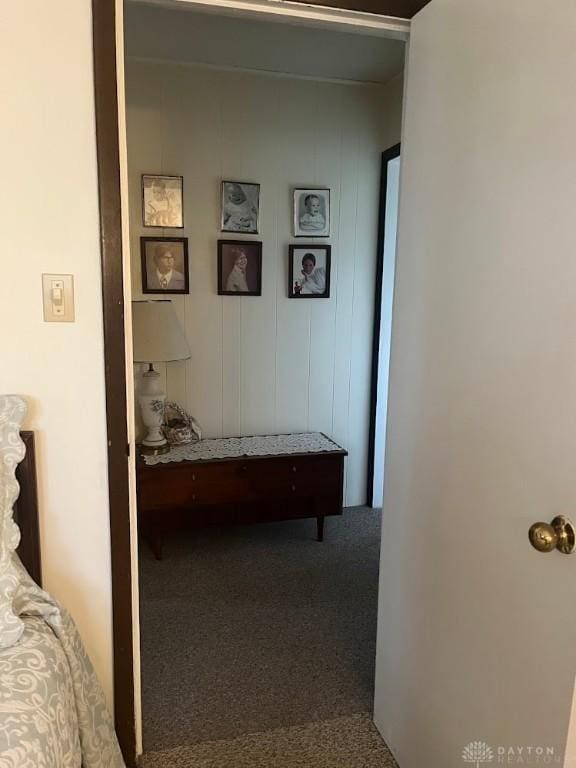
(258, 646)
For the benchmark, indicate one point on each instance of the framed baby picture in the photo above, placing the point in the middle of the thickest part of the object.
(309, 271)
(311, 213)
(239, 268)
(240, 207)
(162, 204)
(164, 264)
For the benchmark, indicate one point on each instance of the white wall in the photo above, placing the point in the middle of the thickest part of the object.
(49, 223)
(267, 364)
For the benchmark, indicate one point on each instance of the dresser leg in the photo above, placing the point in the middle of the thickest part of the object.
(157, 544)
(320, 528)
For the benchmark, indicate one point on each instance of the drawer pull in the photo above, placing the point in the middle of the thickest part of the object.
(244, 468)
(293, 487)
(193, 497)
(193, 477)
(293, 469)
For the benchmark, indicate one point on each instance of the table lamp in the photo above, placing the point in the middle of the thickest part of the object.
(158, 338)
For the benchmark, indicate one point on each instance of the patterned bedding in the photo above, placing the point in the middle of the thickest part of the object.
(38, 721)
(52, 709)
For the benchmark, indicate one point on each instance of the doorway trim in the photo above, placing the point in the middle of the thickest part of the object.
(120, 474)
(387, 156)
(109, 195)
(347, 19)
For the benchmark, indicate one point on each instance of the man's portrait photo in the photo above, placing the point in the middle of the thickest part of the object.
(164, 264)
(162, 204)
(309, 272)
(312, 213)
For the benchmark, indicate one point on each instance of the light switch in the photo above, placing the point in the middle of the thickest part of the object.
(58, 295)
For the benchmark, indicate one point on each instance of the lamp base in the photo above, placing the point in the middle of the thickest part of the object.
(152, 401)
(154, 450)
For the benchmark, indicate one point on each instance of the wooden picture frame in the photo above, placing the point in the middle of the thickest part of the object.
(165, 257)
(162, 201)
(239, 268)
(309, 271)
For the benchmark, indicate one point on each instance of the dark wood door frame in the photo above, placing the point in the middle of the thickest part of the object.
(387, 156)
(402, 9)
(107, 141)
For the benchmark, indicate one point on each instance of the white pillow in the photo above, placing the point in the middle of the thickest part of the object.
(12, 450)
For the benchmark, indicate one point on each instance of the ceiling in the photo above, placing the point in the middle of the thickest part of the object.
(230, 41)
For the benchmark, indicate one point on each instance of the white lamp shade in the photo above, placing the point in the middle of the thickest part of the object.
(157, 335)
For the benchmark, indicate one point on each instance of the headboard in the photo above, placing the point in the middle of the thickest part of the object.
(26, 510)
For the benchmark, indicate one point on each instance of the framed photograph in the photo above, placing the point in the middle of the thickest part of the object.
(239, 268)
(240, 207)
(162, 201)
(309, 271)
(164, 264)
(312, 213)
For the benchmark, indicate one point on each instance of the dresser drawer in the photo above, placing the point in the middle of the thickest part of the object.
(185, 484)
(297, 475)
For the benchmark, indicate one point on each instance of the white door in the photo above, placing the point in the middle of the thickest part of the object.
(477, 630)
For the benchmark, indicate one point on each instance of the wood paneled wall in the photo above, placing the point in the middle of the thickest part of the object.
(267, 364)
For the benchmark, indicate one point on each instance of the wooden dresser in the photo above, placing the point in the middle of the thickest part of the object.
(240, 480)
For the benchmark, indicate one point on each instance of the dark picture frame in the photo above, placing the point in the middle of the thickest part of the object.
(153, 251)
(319, 275)
(311, 212)
(240, 207)
(169, 213)
(233, 275)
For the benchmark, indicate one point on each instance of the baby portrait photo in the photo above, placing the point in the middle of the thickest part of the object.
(164, 264)
(311, 212)
(240, 207)
(162, 201)
(309, 272)
(239, 268)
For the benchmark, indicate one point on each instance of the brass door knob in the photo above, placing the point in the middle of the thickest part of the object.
(560, 534)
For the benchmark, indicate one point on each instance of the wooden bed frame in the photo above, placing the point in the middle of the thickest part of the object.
(26, 510)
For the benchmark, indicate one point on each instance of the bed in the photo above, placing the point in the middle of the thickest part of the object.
(52, 709)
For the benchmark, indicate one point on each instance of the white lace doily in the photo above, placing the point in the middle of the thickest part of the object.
(236, 447)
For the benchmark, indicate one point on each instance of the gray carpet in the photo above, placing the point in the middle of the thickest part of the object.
(347, 742)
(257, 638)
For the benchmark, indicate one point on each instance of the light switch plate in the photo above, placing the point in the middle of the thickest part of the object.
(58, 297)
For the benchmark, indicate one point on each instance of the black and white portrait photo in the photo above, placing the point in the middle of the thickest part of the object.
(162, 201)
(309, 272)
(239, 268)
(240, 207)
(164, 264)
(311, 212)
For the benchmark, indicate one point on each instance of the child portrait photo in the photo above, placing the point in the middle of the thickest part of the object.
(239, 268)
(309, 271)
(162, 201)
(240, 207)
(164, 264)
(311, 212)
